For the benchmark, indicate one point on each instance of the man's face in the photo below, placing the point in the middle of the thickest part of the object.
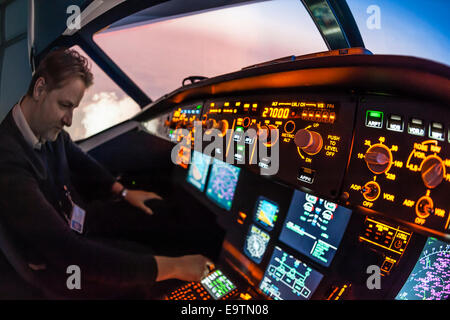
(55, 108)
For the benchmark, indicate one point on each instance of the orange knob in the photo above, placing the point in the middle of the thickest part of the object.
(309, 141)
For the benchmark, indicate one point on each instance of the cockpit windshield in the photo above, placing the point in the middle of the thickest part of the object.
(159, 54)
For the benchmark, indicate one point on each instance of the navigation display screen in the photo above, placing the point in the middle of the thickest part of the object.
(314, 227)
(287, 278)
(198, 171)
(222, 183)
(430, 278)
(266, 213)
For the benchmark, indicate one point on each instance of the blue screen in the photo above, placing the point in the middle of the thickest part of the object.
(266, 213)
(430, 278)
(314, 227)
(287, 278)
(222, 183)
(256, 243)
(198, 170)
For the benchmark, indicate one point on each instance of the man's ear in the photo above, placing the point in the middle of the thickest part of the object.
(39, 90)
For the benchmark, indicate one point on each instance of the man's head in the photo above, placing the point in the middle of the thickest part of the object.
(56, 89)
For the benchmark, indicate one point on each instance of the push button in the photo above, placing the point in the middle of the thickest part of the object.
(416, 127)
(374, 119)
(395, 123)
(436, 131)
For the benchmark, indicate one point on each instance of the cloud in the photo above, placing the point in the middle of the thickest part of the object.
(102, 111)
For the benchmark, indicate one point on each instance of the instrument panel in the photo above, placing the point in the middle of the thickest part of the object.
(400, 162)
(387, 155)
(317, 177)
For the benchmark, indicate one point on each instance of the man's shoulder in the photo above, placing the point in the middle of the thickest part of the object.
(11, 147)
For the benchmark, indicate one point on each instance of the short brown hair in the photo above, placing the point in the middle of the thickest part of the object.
(60, 65)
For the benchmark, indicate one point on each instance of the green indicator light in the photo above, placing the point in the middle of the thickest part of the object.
(241, 148)
(376, 114)
(239, 129)
(199, 106)
(171, 131)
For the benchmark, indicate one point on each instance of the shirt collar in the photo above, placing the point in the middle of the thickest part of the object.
(24, 127)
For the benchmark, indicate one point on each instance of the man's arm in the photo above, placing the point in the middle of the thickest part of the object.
(100, 178)
(43, 230)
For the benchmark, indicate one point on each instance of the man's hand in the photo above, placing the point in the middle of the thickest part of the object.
(138, 197)
(187, 268)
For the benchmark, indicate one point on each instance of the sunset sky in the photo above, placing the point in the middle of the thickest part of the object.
(158, 56)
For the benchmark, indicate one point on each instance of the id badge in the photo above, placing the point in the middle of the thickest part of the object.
(77, 219)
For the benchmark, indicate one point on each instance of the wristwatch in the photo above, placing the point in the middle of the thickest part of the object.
(123, 193)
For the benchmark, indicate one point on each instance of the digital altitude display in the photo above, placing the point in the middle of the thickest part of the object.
(222, 183)
(256, 244)
(314, 226)
(266, 213)
(276, 113)
(430, 278)
(198, 170)
(287, 278)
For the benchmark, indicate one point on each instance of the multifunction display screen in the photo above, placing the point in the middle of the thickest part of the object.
(314, 227)
(222, 183)
(287, 278)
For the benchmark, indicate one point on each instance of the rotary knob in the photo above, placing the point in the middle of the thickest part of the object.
(221, 125)
(433, 171)
(268, 134)
(309, 141)
(378, 158)
(424, 207)
(371, 191)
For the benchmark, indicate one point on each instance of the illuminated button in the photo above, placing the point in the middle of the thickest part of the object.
(416, 127)
(436, 131)
(395, 123)
(306, 175)
(374, 119)
(289, 126)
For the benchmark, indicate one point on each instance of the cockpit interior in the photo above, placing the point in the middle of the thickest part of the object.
(325, 171)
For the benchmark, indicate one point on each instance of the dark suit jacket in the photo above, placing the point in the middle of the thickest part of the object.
(30, 211)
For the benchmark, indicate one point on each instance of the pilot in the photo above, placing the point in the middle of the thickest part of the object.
(41, 205)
